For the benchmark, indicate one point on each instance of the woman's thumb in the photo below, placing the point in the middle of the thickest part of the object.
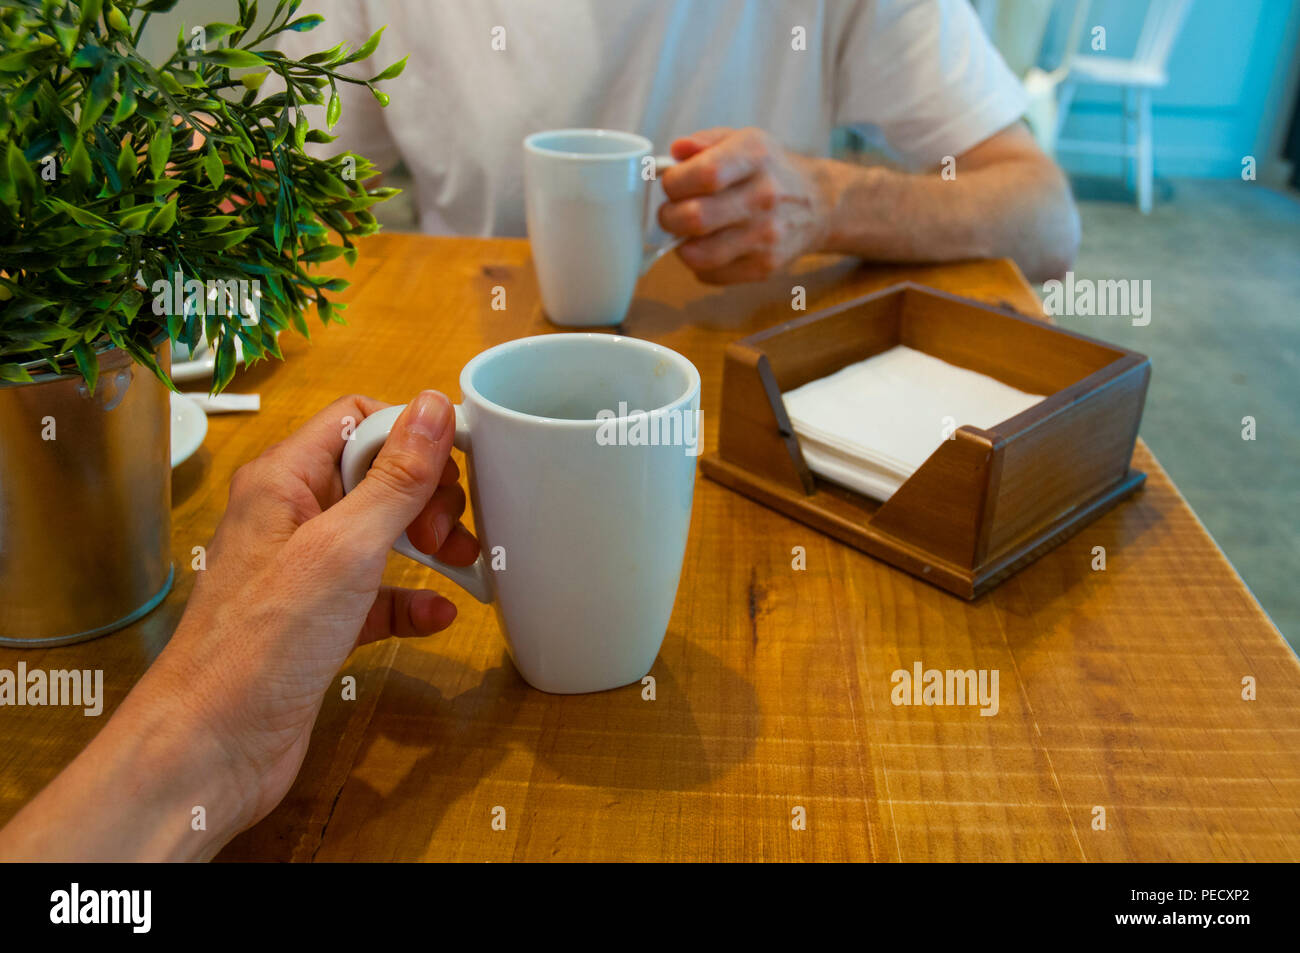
(405, 472)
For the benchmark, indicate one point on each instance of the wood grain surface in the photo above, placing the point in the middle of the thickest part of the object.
(1119, 690)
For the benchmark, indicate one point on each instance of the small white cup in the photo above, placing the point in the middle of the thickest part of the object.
(587, 196)
(582, 521)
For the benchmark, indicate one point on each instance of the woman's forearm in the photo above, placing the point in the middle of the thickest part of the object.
(154, 784)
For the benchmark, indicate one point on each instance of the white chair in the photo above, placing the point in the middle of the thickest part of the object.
(1043, 112)
(1137, 78)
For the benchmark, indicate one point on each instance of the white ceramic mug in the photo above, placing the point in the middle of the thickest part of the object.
(588, 199)
(581, 519)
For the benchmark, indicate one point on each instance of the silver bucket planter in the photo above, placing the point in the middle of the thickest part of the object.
(85, 517)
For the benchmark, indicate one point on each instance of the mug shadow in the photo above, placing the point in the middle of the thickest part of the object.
(426, 748)
(739, 309)
(347, 786)
(462, 738)
(614, 739)
(701, 721)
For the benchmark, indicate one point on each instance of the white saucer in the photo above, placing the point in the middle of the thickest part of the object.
(189, 427)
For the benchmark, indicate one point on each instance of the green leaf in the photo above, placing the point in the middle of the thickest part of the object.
(20, 61)
(277, 233)
(212, 165)
(219, 31)
(305, 24)
(150, 110)
(126, 164)
(90, 12)
(79, 215)
(164, 219)
(171, 84)
(333, 110)
(87, 363)
(271, 343)
(40, 331)
(134, 219)
(237, 157)
(160, 148)
(233, 58)
(281, 130)
(187, 79)
(67, 36)
(332, 55)
(162, 187)
(381, 97)
(367, 47)
(174, 325)
(321, 253)
(102, 90)
(15, 373)
(20, 171)
(125, 107)
(213, 223)
(78, 166)
(223, 370)
(225, 240)
(332, 185)
(326, 56)
(393, 71)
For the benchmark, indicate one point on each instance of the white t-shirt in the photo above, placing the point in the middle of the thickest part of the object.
(922, 72)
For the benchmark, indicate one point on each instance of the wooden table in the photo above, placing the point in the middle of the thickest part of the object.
(1120, 690)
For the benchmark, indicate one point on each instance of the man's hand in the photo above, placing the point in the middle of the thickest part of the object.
(745, 205)
(293, 584)
(748, 207)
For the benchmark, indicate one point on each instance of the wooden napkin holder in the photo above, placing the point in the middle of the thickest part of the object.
(987, 502)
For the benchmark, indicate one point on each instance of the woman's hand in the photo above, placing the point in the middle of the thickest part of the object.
(293, 584)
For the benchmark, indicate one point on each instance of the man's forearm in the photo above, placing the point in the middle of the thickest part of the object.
(1015, 208)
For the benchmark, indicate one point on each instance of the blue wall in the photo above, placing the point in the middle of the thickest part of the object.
(1226, 86)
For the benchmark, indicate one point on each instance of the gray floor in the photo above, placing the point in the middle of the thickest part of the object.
(1223, 258)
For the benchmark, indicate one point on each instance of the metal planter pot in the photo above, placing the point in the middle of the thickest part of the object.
(85, 517)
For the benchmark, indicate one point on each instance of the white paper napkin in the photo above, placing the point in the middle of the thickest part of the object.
(870, 425)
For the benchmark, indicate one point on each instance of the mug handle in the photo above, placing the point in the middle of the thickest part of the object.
(650, 254)
(360, 452)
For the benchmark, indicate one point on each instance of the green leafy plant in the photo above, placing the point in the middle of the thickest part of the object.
(117, 177)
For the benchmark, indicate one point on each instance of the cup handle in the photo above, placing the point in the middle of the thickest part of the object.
(360, 452)
(650, 254)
